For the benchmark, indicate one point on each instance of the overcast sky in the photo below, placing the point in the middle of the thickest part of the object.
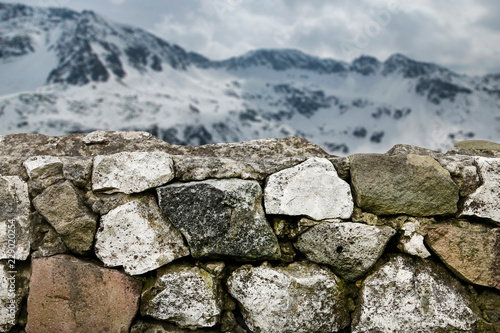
(463, 35)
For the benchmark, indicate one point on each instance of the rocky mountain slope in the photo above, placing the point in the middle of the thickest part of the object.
(64, 71)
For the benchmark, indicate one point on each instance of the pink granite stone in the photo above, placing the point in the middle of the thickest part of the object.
(71, 295)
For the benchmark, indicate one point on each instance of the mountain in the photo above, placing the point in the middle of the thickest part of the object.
(64, 71)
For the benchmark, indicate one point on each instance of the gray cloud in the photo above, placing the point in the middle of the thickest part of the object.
(461, 34)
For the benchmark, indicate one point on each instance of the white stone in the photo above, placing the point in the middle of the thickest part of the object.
(40, 167)
(137, 237)
(413, 295)
(302, 297)
(15, 231)
(187, 296)
(131, 172)
(485, 201)
(412, 242)
(312, 188)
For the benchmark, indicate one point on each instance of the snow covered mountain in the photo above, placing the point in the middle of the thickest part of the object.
(63, 71)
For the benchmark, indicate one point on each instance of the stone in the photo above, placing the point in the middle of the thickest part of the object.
(411, 241)
(403, 149)
(43, 167)
(72, 295)
(350, 249)
(402, 184)
(62, 206)
(131, 172)
(463, 171)
(473, 254)
(190, 168)
(342, 166)
(45, 241)
(220, 218)
(478, 145)
(15, 229)
(485, 201)
(301, 297)
(488, 302)
(312, 188)
(77, 170)
(185, 295)
(14, 286)
(155, 326)
(413, 295)
(137, 237)
(102, 203)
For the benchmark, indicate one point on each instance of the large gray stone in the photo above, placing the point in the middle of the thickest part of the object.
(472, 252)
(413, 295)
(62, 206)
(302, 297)
(137, 237)
(15, 230)
(312, 188)
(220, 218)
(188, 296)
(131, 172)
(485, 201)
(402, 184)
(350, 249)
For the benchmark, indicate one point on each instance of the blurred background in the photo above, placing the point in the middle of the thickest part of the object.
(350, 76)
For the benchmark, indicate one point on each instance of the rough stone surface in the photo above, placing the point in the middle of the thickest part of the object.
(41, 167)
(137, 237)
(403, 149)
(154, 326)
(411, 241)
(485, 201)
(15, 230)
(71, 295)
(351, 249)
(131, 172)
(472, 253)
(402, 184)
(62, 205)
(220, 218)
(189, 168)
(463, 171)
(312, 188)
(478, 145)
(413, 295)
(488, 302)
(45, 240)
(302, 297)
(13, 290)
(185, 295)
(77, 170)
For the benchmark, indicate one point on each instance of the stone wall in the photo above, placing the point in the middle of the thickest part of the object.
(122, 232)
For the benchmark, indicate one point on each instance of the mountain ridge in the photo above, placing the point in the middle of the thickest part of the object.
(98, 74)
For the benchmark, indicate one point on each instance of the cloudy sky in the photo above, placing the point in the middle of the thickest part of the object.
(461, 34)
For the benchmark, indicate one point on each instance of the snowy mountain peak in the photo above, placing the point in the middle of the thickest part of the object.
(278, 60)
(85, 46)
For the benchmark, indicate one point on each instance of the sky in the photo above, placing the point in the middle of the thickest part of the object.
(463, 35)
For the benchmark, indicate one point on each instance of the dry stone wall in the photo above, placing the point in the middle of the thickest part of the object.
(122, 232)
